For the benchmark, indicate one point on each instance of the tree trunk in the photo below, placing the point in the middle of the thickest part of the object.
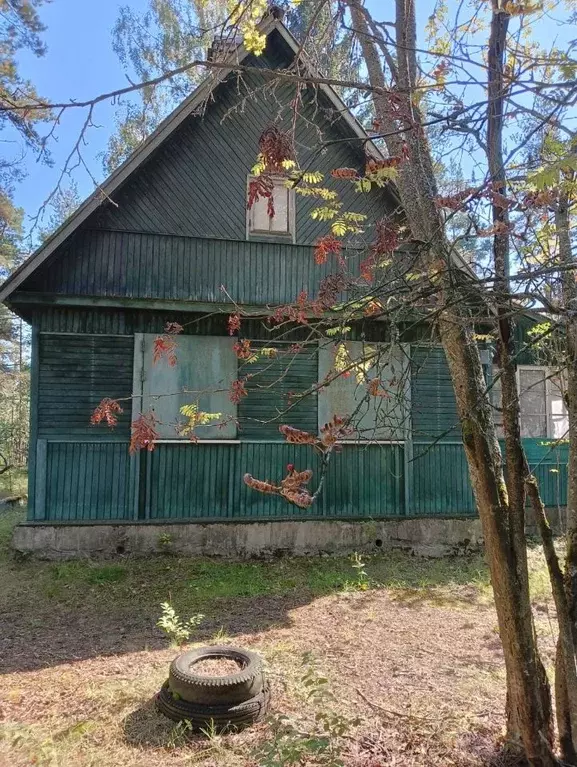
(528, 689)
(515, 458)
(566, 713)
(565, 669)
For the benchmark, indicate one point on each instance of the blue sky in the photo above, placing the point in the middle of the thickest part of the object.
(80, 64)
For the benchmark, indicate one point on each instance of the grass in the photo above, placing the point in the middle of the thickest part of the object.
(14, 482)
(82, 655)
(190, 582)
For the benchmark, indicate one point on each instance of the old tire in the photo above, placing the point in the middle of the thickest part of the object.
(247, 683)
(221, 717)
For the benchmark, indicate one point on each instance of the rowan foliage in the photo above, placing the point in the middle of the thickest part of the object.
(107, 410)
(143, 433)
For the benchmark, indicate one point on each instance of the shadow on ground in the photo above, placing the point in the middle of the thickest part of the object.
(53, 613)
(146, 728)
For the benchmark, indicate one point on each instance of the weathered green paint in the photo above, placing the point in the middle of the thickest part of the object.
(348, 395)
(434, 410)
(172, 247)
(195, 183)
(84, 472)
(269, 383)
(205, 369)
(90, 481)
(440, 480)
(171, 268)
(87, 481)
(34, 366)
(106, 321)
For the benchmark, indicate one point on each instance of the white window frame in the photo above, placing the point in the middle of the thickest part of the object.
(548, 396)
(291, 214)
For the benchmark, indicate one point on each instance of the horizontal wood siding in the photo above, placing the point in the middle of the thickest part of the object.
(269, 383)
(434, 410)
(130, 321)
(75, 373)
(87, 481)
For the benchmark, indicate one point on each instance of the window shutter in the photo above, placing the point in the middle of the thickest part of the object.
(381, 417)
(205, 368)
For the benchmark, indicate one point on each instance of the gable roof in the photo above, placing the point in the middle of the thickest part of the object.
(160, 134)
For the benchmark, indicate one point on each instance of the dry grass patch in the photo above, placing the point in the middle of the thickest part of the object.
(413, 665)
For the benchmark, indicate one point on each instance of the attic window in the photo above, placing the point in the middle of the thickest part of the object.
(282, 223)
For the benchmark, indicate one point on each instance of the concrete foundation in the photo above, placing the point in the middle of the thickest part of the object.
(422, 537)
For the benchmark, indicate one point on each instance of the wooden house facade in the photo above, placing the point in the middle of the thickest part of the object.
(168, 239)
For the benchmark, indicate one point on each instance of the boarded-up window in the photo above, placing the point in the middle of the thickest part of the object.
(205, 368)
(259, 220)
(374, 390)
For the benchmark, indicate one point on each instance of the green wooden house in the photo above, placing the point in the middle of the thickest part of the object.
(168, 238)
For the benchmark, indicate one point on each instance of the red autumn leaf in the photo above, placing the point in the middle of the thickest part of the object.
(173, 328)
(297, 436)
(242, 349)
(386, 238)
(143, 433)
(373, 307)
(237, 391)
(325, 246)
(455, 201)
(275, 146)
(260, 485)
(367, 267)
(373, 165)
(233, 324)
(348, 173)
(262, 186)
(333, 431)
(106, 411)
(164, 346)
(375, 389)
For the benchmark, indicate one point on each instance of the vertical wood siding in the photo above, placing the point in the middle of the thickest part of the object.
(440, 480)
(91, 481)
(104, 263)
(85, 473)
(87, 481)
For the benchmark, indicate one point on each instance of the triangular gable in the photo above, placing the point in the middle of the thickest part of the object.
(165, 130)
